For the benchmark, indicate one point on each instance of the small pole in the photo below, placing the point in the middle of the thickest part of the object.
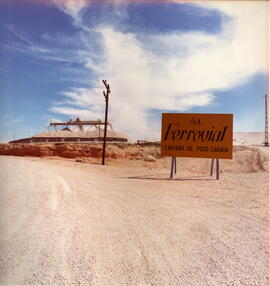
(212, 167)
(172, 167)
(175, 165)
(106, 95)
(217, 169)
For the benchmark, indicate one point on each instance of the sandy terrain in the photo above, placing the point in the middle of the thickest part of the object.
(68, 223)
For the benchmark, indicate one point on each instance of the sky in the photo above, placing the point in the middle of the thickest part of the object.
(157, 56)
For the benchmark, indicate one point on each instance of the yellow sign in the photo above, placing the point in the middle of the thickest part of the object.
(197, 135)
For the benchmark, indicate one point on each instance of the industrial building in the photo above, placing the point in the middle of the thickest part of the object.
(75, 131)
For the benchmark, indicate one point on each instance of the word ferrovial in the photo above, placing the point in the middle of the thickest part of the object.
(174, 132)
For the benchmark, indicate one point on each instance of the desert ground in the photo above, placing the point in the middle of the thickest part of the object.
(79, 223)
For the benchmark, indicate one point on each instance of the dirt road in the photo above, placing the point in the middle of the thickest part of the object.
(67, 223)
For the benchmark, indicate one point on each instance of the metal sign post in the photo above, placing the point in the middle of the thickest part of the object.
(212, 167)
(217, 168)
(106, 95)
(173, 167)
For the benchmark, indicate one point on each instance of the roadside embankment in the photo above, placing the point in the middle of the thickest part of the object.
(246, 159)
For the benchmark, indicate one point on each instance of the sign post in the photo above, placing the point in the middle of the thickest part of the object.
(212, 167)
(197, 135)
(172, 167)
(217, 169)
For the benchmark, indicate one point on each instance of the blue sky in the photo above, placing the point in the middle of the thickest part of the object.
(158, 57)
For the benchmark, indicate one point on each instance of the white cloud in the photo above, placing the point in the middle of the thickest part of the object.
(74, 112)
(175, 71)
(71, 7)
(55, 120)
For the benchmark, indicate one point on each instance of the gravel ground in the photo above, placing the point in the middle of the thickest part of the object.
(67, 223)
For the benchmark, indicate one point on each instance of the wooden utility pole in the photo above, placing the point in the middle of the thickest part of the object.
(266, 142)
(106, 95)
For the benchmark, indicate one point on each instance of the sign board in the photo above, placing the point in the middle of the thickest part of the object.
(197, 135)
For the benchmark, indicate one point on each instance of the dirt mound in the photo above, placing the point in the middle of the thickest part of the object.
(249, 159)
(246, 159)
(75, 150)
(58, 149)
(26, 150)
